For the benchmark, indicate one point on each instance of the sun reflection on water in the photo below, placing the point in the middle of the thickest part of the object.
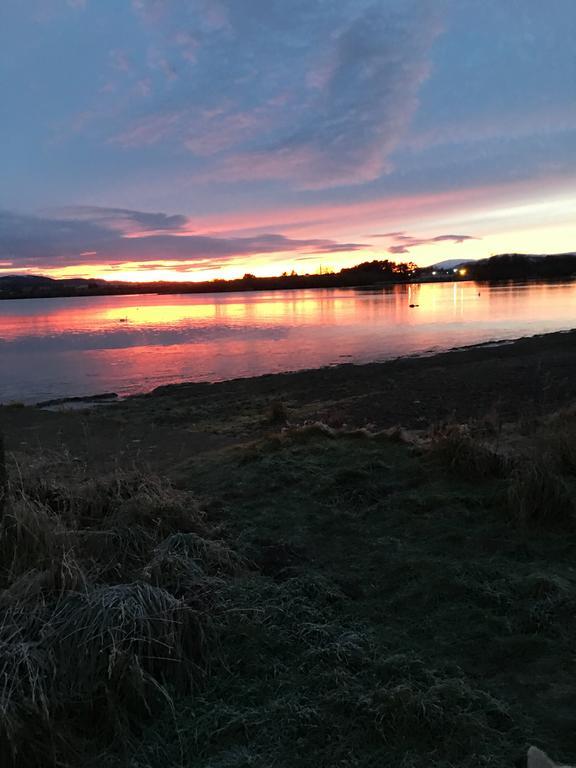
(60, 347)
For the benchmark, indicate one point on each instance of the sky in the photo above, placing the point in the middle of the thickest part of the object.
(202, 139)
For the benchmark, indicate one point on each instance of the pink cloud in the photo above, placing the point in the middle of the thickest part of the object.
(204, 133)
(368, 95)
(149, 130)
(404, 243)
(216, 132)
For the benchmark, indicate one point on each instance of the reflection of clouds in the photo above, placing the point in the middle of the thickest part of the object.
(145, 337)
(54, 348)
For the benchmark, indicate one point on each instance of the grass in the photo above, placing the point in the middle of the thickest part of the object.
(318, 597)
(542, 485)
(540, 495)
(556, 438)
(467, 456)
(95, 637)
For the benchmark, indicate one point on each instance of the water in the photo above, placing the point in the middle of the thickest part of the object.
(53, 348)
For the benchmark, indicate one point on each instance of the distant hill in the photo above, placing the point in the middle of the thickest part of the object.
(449, 264)
(10, 283)
(524, 266)
(509, 266)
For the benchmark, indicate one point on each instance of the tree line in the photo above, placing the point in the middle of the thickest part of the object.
(512, 266)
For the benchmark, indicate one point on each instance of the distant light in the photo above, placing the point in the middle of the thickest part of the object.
(454, 270)
(434, 272)
(462, 272)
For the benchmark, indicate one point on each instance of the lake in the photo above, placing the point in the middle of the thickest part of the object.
(51, 348)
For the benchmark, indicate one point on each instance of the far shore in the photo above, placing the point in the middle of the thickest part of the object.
(197, 289)
(373, 274)
(259, 285)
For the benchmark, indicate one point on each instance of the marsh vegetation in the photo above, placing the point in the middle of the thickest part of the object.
(312, 597)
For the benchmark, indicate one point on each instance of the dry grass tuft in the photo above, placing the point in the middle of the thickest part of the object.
(557, 440)
(193, 567)
(25, 708)
(108, 597)
(112, 642)
(538, 494)
(277, 413)
(214, 556)
(466, 456)
(31, 536)
(309, 430)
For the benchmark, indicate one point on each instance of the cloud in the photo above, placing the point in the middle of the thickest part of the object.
(320, 93)
(403, 243)
(503, 126)
(203, 133)
(89, 235)
(348, 136)
(150, 10)
(260, 115)
(157, 61)
(149, 129)
(120, 61)
(123, 220)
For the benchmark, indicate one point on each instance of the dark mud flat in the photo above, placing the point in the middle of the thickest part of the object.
(511, 381)
(523, 377)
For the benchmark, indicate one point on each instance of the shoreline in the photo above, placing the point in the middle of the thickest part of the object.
(76, 402)
(503, 383)
(529, 374)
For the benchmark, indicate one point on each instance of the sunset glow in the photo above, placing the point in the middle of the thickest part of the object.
(287, 383)
(413, 131)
